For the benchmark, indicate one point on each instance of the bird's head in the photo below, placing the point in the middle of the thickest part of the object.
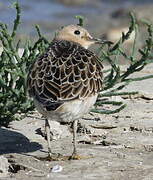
(77, 34)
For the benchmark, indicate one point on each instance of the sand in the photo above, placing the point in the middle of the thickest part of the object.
(114, 147)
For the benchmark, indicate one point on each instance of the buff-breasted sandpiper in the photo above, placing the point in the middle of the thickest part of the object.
(64, 81)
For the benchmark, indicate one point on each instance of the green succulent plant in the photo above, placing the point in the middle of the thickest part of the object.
(14, 68)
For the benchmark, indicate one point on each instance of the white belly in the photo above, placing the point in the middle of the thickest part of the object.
(70, 110)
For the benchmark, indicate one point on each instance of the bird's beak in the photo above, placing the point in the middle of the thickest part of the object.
(100, 41)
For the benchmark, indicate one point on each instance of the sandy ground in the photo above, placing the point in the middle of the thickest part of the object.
(116, 147)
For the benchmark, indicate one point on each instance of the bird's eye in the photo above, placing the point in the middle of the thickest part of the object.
(77, 32)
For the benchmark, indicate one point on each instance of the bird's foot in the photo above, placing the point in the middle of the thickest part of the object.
(76, 156)
(60, 157)
(53, 157)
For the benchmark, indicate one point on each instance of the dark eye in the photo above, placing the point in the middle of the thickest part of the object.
(77, 32)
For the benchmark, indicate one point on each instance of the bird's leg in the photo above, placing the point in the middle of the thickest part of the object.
(51, 156)
(75, 123)
(74, 154)
(56, 157)
(47, 128)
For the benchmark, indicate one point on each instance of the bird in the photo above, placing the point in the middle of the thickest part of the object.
(65, 80)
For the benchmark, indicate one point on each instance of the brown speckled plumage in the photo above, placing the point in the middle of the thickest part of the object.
(66, 71)
(64, 82)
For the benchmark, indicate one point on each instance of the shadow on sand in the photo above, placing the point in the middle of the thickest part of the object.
(15, 142)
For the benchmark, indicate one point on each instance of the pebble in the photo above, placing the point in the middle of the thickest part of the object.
(57, 168)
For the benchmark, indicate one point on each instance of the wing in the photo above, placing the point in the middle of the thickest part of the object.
(66, 71)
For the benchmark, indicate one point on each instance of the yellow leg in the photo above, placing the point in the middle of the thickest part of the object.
(75, 123)
(47, 128)
(75, 156)
(51, 156)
